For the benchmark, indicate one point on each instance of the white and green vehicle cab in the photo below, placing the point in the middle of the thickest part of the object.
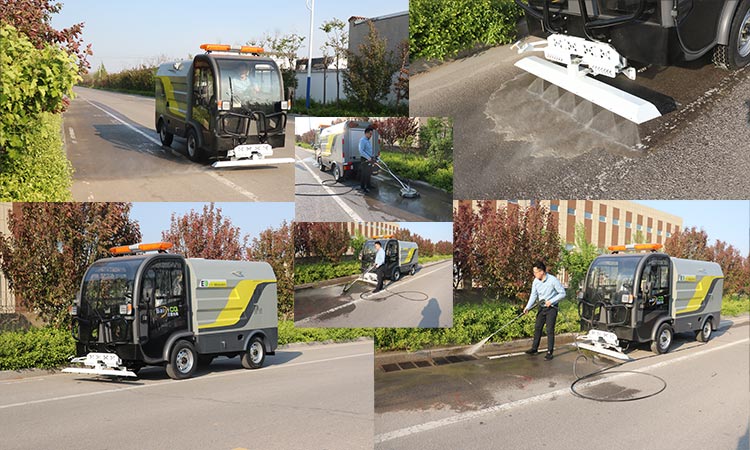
(162, 309)
(647, 297)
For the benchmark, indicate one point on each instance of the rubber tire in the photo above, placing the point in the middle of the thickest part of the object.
(701, 335)
(172, 369)
(247, 359)
(727, 56)
(205, 360)
(413, 270)
(337, 173)
(396, 275)
(192, 141)
(655, 347)
(165, 136)
(320, 165)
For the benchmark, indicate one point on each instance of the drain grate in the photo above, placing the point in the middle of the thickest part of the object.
(437, 361)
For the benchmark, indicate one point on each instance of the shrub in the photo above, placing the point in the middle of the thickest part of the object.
(347, 108)
(415, 167)
(43, 348)
(439, 29)
(310, 273)
(41, 172)
(288, 333)
(735, 305)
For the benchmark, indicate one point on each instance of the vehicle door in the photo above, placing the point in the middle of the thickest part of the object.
(654, 295)
(204, 98)
(163, 303)
(391, 256)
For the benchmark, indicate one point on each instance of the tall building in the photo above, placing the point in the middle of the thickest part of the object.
(370, 229)
(606, 222)
(7, 301)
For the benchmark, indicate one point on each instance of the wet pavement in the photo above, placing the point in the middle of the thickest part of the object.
(423, 300)
(315, 191)
(517, 139)
(474, 402)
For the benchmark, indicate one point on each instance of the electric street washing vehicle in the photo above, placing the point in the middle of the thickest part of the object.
(228, 103)
(586, 38)
(647, 297)
(400, 257)
(136, 309)
(337, 148)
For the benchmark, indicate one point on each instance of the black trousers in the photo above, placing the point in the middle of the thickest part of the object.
(380, 272)
(548, 316)
(365, 172)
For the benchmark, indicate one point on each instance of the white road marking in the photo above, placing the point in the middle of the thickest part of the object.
(404, 432)
(237, 188)
(72, 134)
(355, 301)
(349, 212)
(207, 377)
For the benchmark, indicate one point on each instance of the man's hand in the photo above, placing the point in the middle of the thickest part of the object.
(525, 311)
(548, 303)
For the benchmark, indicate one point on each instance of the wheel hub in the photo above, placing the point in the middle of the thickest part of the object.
(743, 40)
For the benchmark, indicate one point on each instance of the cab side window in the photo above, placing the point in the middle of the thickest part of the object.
(163, 288)
(203, 86)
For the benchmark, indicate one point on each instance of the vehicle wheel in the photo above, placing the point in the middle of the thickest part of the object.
(337, 173)
(193, 150)
(396, 275)
(737, 53)
(320, 165)
(413, 270)
(663, 339)
(205, 360)
(255, 355)
(165, 136)
(182, 361)
(705, 333)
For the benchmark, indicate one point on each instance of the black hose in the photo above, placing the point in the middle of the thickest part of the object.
(329, 183)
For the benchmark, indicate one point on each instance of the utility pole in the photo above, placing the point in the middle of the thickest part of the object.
(311, 6)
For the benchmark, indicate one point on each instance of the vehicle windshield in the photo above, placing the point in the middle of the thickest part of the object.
(610, 276)
(249, 85)
(106, 286)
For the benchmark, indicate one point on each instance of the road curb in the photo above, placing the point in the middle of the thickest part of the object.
(346, 279)
(9, 375)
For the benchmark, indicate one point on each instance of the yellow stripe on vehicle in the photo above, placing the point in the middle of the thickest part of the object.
(700, 295)
(410, 255)
(237, 303)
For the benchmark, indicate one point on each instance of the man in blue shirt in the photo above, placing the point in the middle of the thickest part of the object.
(548, 291)
(379, 266)
(367, 159)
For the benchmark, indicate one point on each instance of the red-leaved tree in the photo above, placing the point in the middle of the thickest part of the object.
(329, 240)
(464, 225)
(51, 245)
(395, 130)
(207, 235)
(274, 246)
(688, 244)
(302, 245)
(33, 18)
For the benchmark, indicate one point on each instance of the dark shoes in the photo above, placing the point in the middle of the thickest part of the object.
(548, 356)
(531, 351)
(376, 291)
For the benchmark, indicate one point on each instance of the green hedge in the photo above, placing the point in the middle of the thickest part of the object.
(439, 28)
(346, 108)
(43, 348)
(310, 273)
(289, 334)
(735, 305)
(42, 172)
(415, 167)
(471, 324)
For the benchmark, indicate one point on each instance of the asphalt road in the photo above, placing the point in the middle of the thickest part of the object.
(510, 143)
(319, 198)
(305, 397)
(424, 300)
(525, 402)
(116, 154)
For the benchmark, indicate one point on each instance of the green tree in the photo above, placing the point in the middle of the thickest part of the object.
(207, 235)
(576, 261)
(285, 47)
(51, 245)
(638, 238)
(368, 78)
(437, 139)
(401, 85)
(337, 41)
(357, 242)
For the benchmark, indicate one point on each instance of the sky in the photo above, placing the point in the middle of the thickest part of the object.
(435, 231)
(251, 218)
(728, 220)
(126, 34)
